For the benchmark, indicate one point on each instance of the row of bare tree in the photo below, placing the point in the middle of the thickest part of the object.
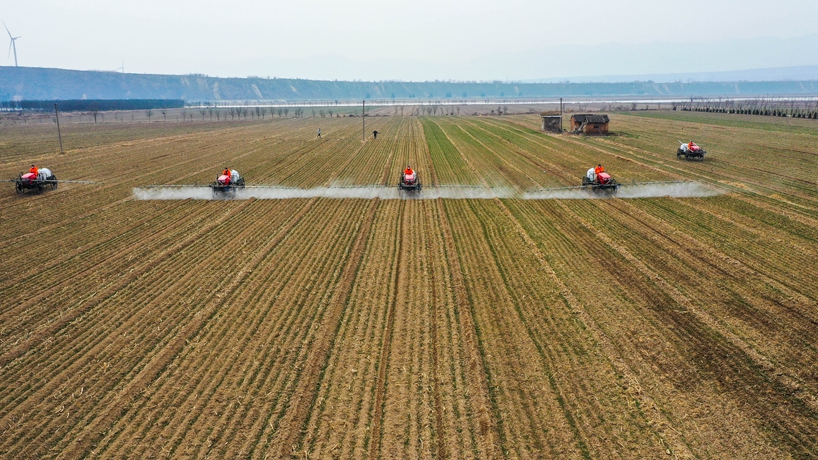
(764, 107)
(243, 112)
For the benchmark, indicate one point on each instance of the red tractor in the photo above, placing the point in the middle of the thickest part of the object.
(599, 181)
(690, 151)
(36, 182)
(409, 180)
(226, 185)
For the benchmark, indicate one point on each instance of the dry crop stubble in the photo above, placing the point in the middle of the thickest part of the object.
(609, 289)
(199, 381)
(91, 337)
(717, 353)
(339, 426)
(776, 322)
(525, 402)
(338, 328)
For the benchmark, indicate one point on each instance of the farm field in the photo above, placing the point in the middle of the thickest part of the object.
(411, 328)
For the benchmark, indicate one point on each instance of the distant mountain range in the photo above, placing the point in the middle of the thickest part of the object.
(29, 83)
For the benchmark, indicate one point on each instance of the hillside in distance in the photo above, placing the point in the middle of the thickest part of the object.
(31, 83)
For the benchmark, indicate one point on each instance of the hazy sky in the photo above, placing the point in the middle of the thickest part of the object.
(411, 40)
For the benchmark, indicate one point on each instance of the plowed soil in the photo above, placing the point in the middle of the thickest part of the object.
(382, 328)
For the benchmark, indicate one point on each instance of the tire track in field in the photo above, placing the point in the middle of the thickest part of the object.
(303, 399)
(490, 172)
(446, 157)
(386, 347)
(739, 271)
(733, 355)
(546, 165)
(519, 342)
(780, 234)
(705, 253)
(387, 169)
(529, 158)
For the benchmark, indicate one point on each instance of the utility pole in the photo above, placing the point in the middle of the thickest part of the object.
(363, 120)
(560, 114)
(59, 134)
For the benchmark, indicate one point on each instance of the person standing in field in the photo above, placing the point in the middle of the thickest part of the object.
(319, 133)
(375, 134)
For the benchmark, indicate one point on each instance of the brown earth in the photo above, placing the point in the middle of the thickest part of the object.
(440, 328)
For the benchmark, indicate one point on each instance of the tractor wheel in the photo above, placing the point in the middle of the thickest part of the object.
(19, 188)
(584, 181)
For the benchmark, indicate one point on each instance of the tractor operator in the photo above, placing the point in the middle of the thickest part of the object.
(226, 172)
(690, 146)
(34, 171)
(408, 171)
(599, 169)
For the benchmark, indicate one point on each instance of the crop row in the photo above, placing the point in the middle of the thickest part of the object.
(665, 347)
(328, 328)
(84, 350)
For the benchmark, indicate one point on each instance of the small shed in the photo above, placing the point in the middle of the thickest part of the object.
(551, 122)
(589, 124)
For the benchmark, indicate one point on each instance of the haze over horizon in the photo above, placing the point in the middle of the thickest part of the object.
(414, 41)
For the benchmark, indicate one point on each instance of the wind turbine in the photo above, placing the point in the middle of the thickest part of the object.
(12, 44)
